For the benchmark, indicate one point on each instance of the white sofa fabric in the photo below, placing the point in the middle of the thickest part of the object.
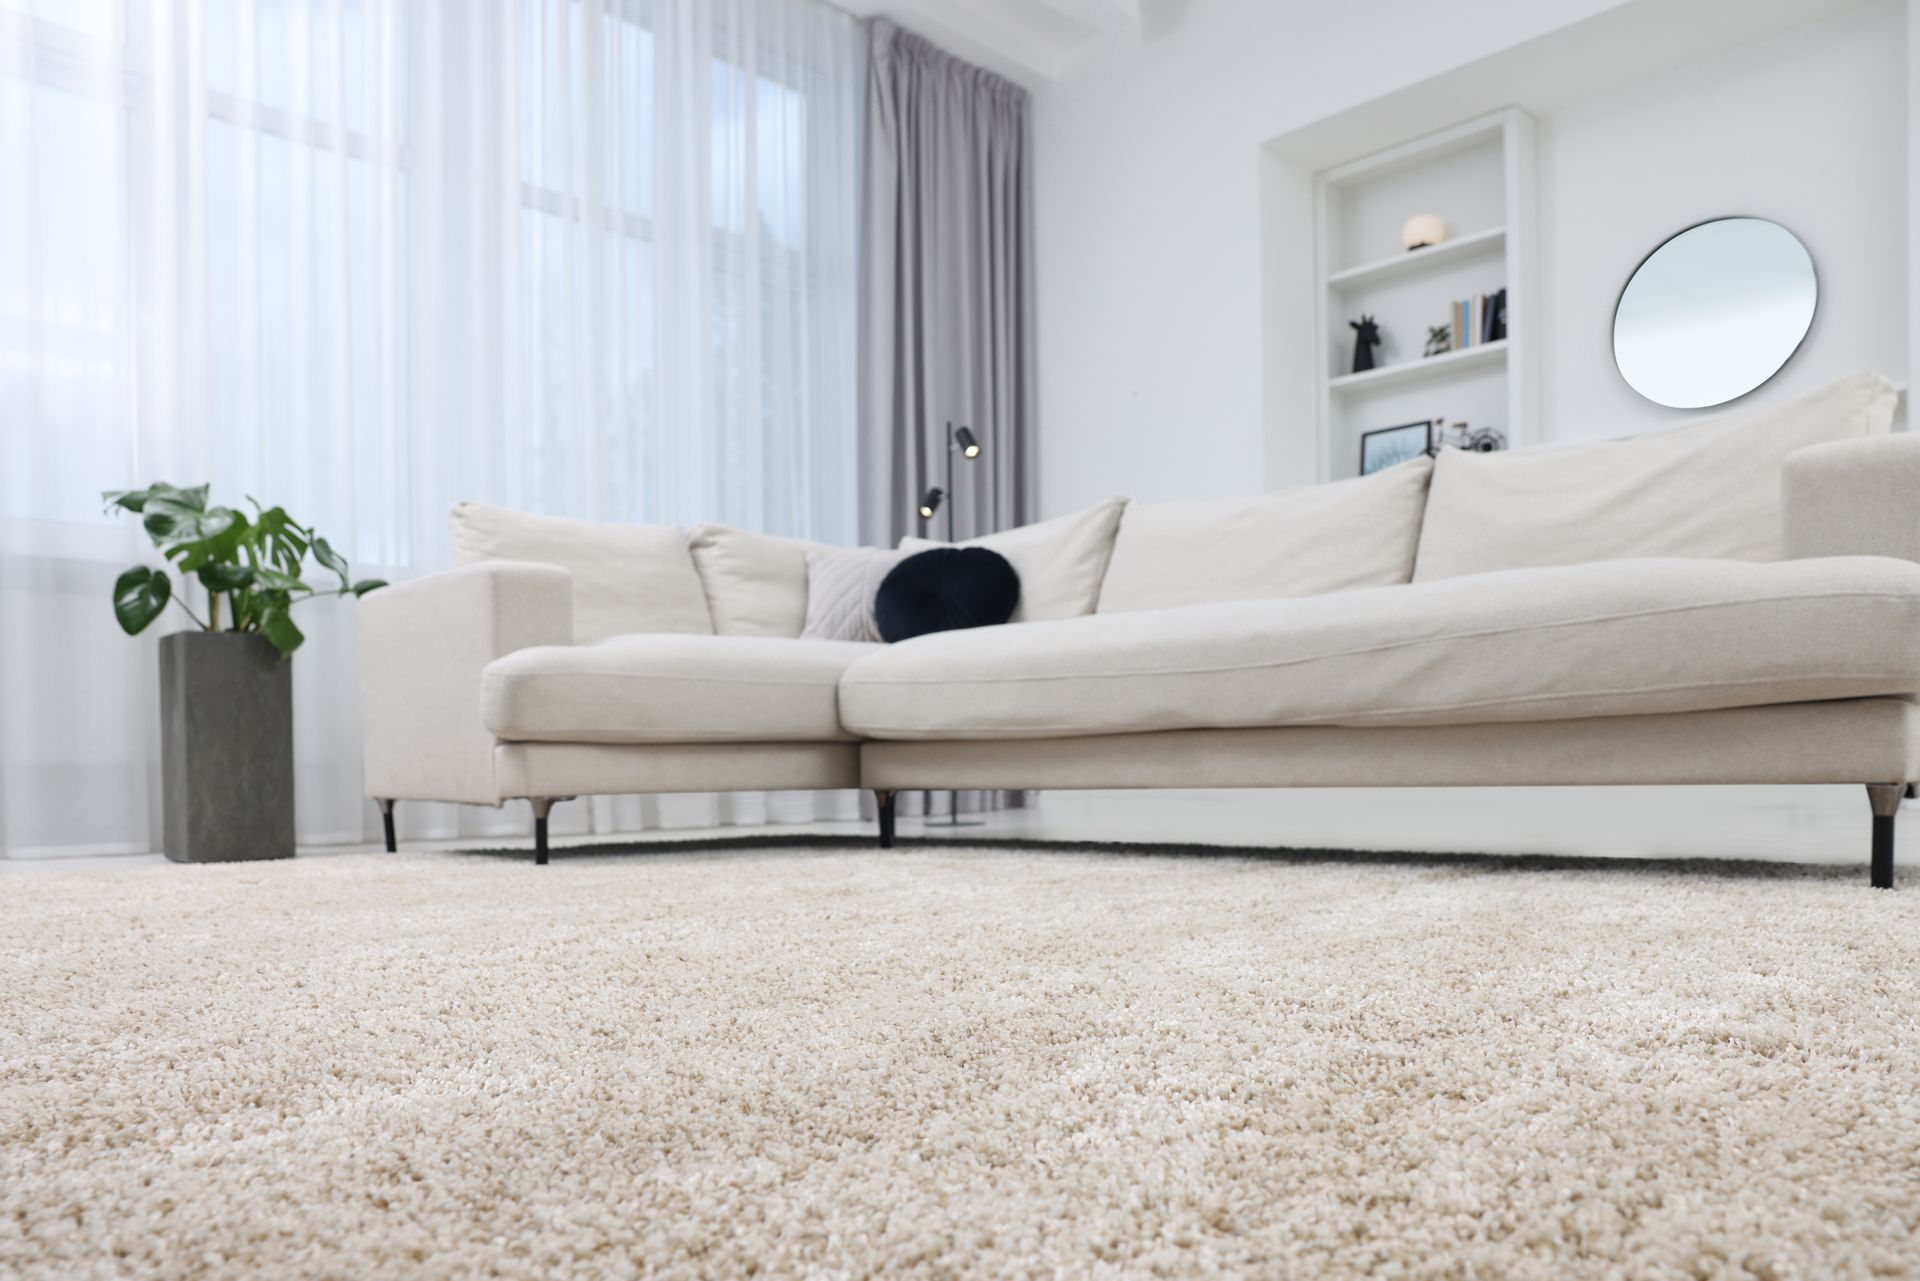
(611, 769)
(1843, 741)
(1854, 498)
(423, 648)
(670, 689)
(1618, 638)
(1709, 489)
(756, 584)
(1297, 542)
(626, 578)
(1536, 642)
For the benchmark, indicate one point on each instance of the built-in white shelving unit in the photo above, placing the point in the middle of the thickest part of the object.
(1427, 368)
(1476, 176)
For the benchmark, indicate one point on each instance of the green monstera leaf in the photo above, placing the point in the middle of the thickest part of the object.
(138, 597)
(333, 560)
(136, 500)
(212, 538)
(279, 581)
(183, 532)
(133, 500)
(225, 576)
(277, 625)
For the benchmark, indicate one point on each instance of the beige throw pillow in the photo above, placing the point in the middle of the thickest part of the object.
(1060, 561)
(1296, 542)
(842, 583)
(626, 578)
(1709, 489)
(756, 584)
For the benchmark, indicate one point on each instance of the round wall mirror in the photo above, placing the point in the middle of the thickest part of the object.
(1714, 312)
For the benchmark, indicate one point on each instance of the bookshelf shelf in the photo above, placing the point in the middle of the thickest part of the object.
(1421, 369)
(1414, 261)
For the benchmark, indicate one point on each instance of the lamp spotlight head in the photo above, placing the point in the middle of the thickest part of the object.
(931, 503)
(969, 447)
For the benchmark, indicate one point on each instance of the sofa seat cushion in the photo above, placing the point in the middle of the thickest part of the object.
(1609, 639)
(670, 689)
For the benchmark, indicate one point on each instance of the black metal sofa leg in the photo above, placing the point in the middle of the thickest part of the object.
(542, 806)
(885, 802)
(386, 821)
(1885, 799)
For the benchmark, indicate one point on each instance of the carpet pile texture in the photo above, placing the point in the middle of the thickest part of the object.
(956, 1062)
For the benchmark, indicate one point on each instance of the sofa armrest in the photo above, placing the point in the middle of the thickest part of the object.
(423, 645)
(1854, 498)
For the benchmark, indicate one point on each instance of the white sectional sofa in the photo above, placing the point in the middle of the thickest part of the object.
(1736, 600)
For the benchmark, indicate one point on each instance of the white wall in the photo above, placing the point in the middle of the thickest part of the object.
(1148, 213)
(1147, 220)
(1807, 128)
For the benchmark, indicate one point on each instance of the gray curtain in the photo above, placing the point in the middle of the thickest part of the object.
(946, 302)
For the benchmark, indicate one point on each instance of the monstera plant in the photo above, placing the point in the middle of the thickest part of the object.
(251, 566)
(226, 690)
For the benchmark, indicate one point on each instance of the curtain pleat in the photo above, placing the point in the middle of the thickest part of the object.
(368, 258)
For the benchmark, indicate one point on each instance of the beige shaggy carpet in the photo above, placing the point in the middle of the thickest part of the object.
(943, 1063)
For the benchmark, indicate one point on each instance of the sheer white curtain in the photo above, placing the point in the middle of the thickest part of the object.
(366, 258)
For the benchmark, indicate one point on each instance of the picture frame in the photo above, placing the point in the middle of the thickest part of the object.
(1390, 446)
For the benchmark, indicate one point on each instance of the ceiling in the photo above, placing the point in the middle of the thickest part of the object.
(1030, 41)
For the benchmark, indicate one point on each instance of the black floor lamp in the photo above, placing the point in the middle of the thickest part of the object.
(960, 440)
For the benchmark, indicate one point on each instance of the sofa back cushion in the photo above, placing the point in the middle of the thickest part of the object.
(1060, 561)
(1709, 489)
(756, 584)
(626, 578)
(1296, 542)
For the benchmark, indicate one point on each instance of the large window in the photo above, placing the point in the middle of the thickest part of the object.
(368, 258)
(589, 82)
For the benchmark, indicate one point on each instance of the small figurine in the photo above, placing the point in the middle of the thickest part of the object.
(1368, 337)
(1439, 340)
(1474, 440)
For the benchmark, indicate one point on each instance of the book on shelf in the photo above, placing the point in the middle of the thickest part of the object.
(1478, 320)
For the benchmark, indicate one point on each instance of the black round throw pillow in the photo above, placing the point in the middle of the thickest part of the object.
(945, 588)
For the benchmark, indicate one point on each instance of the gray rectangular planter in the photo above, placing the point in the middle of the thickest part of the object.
(226, 748)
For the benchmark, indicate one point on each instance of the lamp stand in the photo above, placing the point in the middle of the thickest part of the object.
(958, 441)
(953, 798)
(953, 818)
